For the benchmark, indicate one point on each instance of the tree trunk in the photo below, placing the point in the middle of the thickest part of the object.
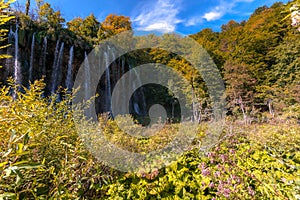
(243, 109)
(27, 7)
(195, 107)
(271, 110)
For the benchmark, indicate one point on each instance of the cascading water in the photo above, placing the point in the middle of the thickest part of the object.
(59, 64)
(139, 102)
(108, 83)
(44, 56)
(123, 104)
(17, 70)
(56, 70)
(87, 77)
(113, 74)
(31, 57)
(11, 33)
(9, 62)
(119, 71)
(69, 78)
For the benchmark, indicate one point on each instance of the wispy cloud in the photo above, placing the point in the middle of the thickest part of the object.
(194, 21)
(216, 13)
(223, 8)
(160, 15)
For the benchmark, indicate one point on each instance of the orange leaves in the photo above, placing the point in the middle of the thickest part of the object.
(112, 25)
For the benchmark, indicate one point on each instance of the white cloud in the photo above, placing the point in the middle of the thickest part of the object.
(158, 16)
(213, 15)
(222, 9)
(159, 26)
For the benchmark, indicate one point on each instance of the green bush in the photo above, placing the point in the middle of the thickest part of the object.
(254, 163)
(41, 155)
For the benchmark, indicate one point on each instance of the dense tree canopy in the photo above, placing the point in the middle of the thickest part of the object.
(258, 58)
(112, 25)
(49, 17)
(87, 28)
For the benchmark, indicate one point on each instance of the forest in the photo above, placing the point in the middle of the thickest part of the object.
(243, 101)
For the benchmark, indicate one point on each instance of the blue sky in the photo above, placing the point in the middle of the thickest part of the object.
(184, 16)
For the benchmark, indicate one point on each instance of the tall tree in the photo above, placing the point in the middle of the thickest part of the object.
(90, 26)
(239, 86)
(27, 7)
(210, 41)
(112, 25)
(48, 17)
(284, 75)
(262, 33)
(86, 28)
(75, 25)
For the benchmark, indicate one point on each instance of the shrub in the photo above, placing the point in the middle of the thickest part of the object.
(41, 155)
(254, 163)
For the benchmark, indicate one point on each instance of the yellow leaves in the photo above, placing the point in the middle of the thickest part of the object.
(20, 163)
(19, 149)
(296, 157)
(50, 18)
(112, 25)
(3, 164)
(5, 16)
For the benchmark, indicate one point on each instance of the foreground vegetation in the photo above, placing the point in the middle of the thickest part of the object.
(42, 157)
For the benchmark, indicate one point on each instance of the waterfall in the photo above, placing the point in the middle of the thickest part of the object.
(139, 102)
(69, 79)
(87, 77)
(9, 62)
(136, 97)
(123, 104)
(120, 71)
(11, 33)
(142, 94)
(110, 79)
(56, 70)
(31, 57)
(44, 55)
(108, 82)
(59, 64)
(17, 70)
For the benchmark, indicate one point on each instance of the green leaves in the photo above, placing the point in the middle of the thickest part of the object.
(41, 155)
(86, 28)
(244, 166)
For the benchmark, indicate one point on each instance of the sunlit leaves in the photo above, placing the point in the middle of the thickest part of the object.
(112, 25)
(41, 155)
(5, 17)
